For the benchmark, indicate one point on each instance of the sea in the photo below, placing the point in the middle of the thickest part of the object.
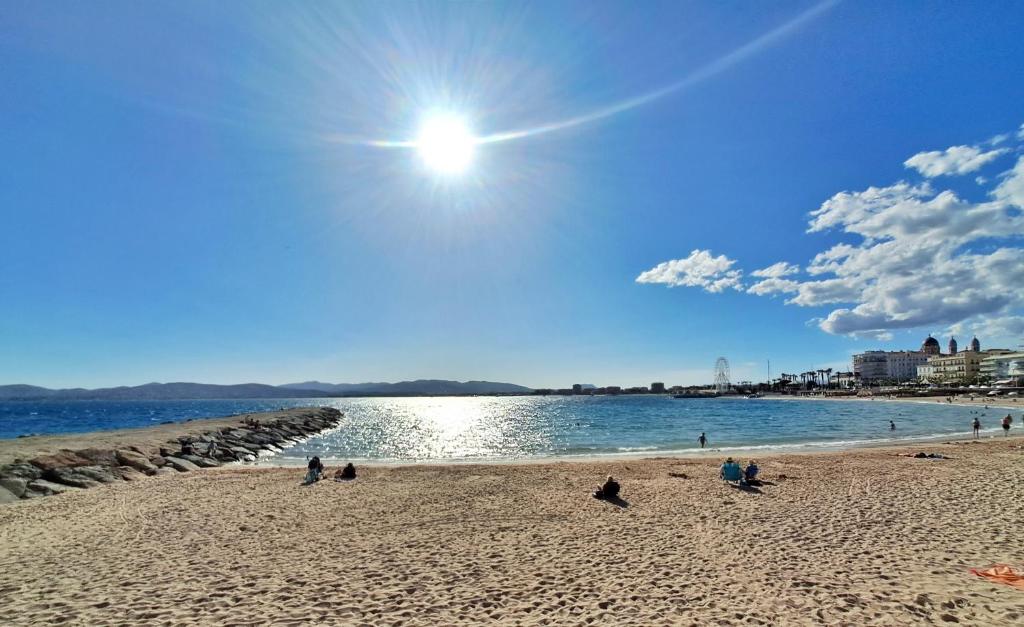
(511, 428)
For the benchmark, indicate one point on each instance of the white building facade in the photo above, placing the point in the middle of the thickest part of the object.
(872, 366)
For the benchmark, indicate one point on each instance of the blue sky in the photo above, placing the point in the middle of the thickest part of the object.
(191, 191)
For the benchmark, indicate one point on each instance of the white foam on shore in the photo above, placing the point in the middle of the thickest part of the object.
(283, 460)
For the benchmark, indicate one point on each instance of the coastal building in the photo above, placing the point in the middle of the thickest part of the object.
(872, 366)
(657, 387)
(930, 346)
(999, 367)
(976, 345)
(962, 368)
(577, 388)
(952, 346)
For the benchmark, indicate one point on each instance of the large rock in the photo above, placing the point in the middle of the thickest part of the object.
(6, 496)
(135, 460)
(98, 456)
(130, 474)
(61, 459)
(202, 462)
(181, 465)
(164, 470)
(42, 487)
(103, 474)
(71, 477)
(16, 485)
(21, 471)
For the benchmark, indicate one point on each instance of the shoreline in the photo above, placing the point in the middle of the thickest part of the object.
(152, 437)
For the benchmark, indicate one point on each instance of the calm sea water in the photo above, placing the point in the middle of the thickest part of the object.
(504, 428)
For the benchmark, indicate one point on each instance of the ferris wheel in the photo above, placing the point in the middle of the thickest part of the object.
(722, 384)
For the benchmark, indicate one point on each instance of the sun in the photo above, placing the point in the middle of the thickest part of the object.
(446, 144)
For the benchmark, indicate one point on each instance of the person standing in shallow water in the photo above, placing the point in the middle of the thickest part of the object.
(892, 426)
(1006, 424)
(976, 425)
(703, 439)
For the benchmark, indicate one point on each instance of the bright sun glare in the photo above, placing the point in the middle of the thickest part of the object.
(445, 144)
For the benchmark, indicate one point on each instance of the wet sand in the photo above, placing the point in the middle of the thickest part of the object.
(863, 537)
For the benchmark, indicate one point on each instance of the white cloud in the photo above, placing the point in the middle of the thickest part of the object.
(777, 270)
(1011, 190)
(914, 257)
(774, 286)
(953, 160)
(700, 269)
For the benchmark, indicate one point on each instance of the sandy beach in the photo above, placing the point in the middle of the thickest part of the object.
(863, 537)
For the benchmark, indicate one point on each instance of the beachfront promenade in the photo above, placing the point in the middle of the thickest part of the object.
(861, 537)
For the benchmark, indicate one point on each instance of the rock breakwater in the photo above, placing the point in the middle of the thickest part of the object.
(76, 469)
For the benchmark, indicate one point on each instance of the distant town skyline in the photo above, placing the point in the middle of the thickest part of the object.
(534, 194)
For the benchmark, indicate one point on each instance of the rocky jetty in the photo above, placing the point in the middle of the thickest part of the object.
(68, 469)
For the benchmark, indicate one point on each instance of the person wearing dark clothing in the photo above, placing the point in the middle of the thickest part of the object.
(346, 473)
(703, 439)
(750, 473)
(976, 425)
(610, 489)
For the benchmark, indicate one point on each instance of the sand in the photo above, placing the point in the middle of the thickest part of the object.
(859, 538)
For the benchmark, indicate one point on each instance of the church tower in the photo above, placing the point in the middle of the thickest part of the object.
(952, 346)
(976, 345)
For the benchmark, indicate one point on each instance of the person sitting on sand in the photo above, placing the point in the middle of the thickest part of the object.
(609, 491)
(316, 470)
(731, 471)
(750, 473)
(345, 474)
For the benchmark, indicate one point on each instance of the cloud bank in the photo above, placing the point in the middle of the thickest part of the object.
(913, 256)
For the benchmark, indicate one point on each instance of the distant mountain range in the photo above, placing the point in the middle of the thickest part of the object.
(420, 387)
(311, 389)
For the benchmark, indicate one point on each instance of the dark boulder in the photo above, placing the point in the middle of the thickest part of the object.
(202, 462)
(6, 496)
(42, 487)
(21, 470)
(70, 476)
(135, 460)
(62, 459)
(98, 456)
(181, 465)
(103, 474)
(128, 473)
(16, 485)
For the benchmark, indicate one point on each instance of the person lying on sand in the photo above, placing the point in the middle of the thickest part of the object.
(609, 490)
(345, 474)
